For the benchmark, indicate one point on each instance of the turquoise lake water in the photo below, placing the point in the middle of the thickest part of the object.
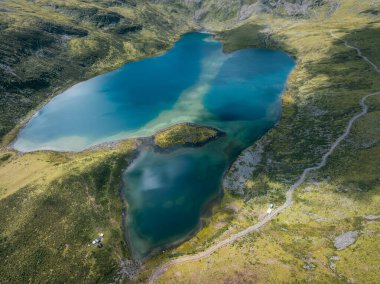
(239, 93)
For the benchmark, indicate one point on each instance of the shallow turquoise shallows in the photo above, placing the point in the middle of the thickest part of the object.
(239, 93)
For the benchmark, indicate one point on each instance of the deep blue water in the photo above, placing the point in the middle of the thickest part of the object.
(240, 93)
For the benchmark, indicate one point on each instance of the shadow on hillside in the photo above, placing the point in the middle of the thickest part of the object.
(354, 166)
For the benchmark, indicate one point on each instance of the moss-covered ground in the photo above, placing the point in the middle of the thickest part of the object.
(185, 135)
(54, 204)
(47, 46)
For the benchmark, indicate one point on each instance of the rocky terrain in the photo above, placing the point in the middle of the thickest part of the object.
(227, 13)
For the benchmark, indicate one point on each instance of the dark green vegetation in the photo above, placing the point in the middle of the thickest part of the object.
(185, 135)
(47, 46)
(50, 222)
(244, 36)
(57, 203)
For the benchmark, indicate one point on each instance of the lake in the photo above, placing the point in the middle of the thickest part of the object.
(195, 81)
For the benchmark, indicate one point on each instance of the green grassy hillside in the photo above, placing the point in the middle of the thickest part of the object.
(54, 204)
(47, 46)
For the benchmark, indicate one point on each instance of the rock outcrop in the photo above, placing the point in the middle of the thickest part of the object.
(241, 170)
(346, 239)
(237, 10)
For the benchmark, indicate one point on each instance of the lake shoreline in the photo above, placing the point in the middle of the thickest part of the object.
(9, 138)
(144, 143)
(147, 142)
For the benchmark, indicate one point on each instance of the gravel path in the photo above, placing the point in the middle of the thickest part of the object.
(289, 194)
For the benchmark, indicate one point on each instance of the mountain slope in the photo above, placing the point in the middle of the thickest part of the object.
(47, 46)
(54, 203)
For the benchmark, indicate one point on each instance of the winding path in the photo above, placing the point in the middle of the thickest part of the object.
(289, 194)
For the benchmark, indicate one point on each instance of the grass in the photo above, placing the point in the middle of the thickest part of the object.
(47, 46)
(245, 36)
(56, 203)
(185, 135)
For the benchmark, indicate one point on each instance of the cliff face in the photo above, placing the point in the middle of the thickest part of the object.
(297, 8)
(206, 11)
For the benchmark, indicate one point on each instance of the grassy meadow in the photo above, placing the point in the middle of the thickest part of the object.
(54, 204)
